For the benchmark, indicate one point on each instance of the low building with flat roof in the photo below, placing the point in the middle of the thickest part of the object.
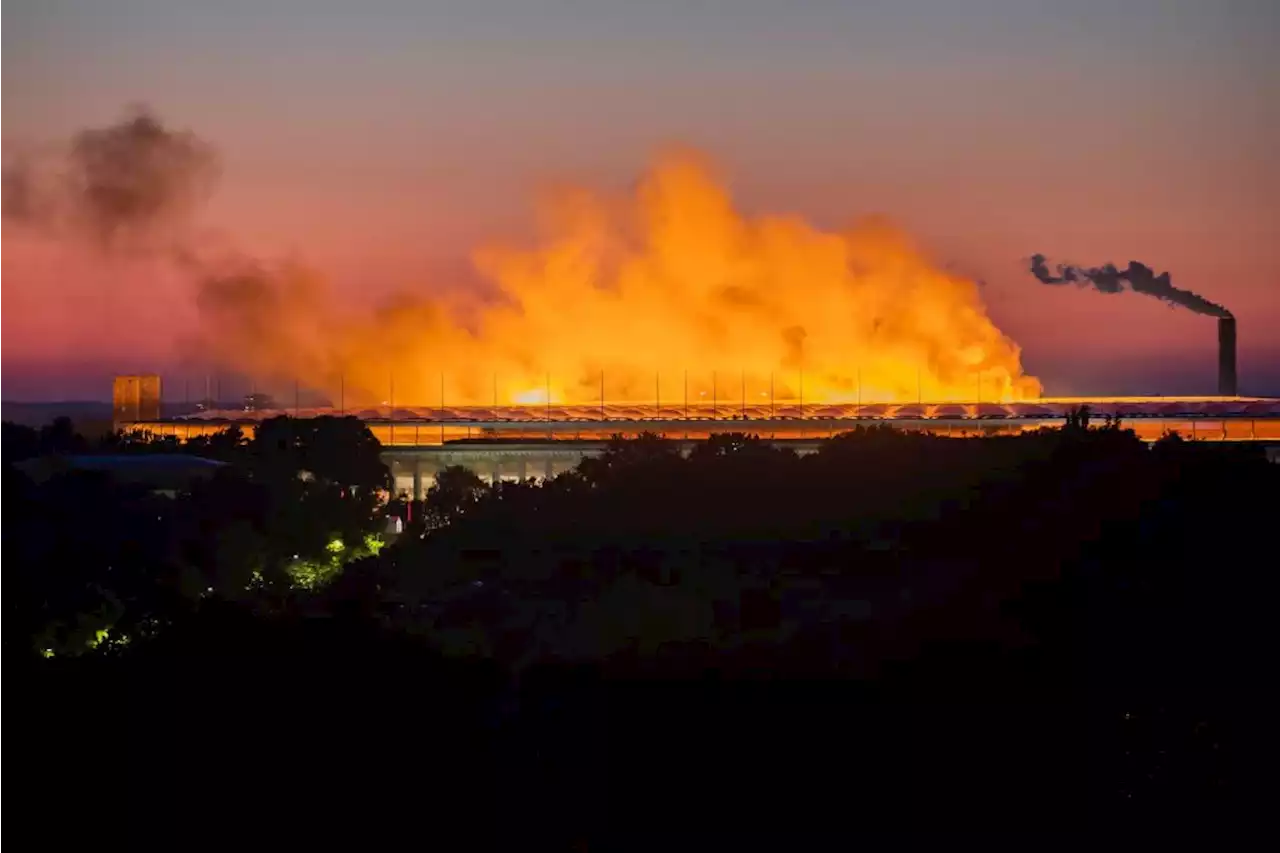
(161, 472)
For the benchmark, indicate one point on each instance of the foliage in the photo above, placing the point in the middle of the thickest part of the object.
(455, 489)
(90, 555)
(316, 572)
(330, 451)
(58, 437)
(1067, 622)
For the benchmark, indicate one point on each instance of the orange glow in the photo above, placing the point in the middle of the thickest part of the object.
(532, 397)
(663, 293)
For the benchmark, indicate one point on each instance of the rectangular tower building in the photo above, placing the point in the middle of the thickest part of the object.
(135, 399)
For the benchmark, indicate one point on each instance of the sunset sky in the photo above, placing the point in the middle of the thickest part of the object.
(381, 141)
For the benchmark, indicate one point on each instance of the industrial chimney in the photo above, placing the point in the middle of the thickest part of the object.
(1227, 357)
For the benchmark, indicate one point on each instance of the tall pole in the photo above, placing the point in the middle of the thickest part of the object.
(802, 400)
(686, 404)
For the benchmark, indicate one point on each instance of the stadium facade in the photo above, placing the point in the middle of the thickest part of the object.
(515, 442)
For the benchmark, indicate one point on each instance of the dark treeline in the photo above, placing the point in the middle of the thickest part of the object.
(1066, 630)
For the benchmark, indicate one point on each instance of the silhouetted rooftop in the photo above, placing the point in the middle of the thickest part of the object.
(168, 471)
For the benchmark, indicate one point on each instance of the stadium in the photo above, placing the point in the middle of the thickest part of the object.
(541, 440)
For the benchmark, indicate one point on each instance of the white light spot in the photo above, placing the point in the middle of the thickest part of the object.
(534, 396)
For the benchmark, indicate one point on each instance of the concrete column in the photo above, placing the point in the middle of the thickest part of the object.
(417, 478)
(549, 468)
(522, 468)
(430, 468)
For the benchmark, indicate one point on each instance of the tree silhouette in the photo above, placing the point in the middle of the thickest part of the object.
(330, 451)
(61, 437)
(324, 483)
(20, 442)
(227, 445)
(1069, 623)
(454, 490)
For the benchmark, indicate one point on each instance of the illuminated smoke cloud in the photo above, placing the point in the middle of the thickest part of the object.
(1140, 278)
(666, 284)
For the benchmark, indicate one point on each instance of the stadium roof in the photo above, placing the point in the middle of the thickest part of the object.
(1125, 407)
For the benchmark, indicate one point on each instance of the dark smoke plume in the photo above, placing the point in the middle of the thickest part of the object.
(1140, 278)
(24, 201)
(122, 187)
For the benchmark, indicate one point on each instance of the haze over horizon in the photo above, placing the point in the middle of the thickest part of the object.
(381, 142)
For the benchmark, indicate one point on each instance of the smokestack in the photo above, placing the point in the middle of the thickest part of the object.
(1227, 357)
(1139, 277)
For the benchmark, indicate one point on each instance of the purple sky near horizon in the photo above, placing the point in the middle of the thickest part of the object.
(382, 140)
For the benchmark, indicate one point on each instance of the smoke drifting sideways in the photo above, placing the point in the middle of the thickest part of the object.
(130, 188)
(1139, 277)
(659, 290)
